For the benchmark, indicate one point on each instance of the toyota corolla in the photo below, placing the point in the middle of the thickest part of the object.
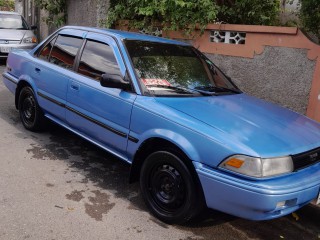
(192, 137)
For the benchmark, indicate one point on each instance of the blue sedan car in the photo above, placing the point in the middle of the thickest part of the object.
(193, 139)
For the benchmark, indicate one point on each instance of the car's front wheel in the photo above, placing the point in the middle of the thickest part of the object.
(31, 115)
(169, 189)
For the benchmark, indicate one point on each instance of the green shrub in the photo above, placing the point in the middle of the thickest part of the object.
(57, 11)
(310, 16)
(7, 5)
(252, 12)
(170, 14)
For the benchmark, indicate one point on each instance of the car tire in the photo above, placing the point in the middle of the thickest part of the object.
(169, 189)
(31, 114)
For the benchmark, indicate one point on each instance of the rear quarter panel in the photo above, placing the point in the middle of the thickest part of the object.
(19, 65)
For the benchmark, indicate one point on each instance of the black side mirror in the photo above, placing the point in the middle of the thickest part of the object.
(114, 81)
(33, 27)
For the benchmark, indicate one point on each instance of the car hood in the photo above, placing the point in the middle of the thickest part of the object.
(265, 128)
(12, 34)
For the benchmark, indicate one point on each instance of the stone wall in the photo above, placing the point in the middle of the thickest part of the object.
(279, 75)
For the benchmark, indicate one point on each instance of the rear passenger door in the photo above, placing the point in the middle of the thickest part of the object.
(101, 114)
(52, 70)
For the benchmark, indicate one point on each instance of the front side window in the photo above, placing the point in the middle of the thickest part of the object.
(97, 58)
(65, 50)
(170, 69)
(11, 21)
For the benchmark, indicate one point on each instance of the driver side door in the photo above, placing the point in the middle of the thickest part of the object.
(101, 114)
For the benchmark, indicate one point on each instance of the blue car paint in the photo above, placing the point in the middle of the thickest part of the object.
(101, 107)
(207, 129)
(252, 122)
(257, 200)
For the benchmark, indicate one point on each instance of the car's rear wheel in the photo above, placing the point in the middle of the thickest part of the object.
(169, 189)
(31, 115)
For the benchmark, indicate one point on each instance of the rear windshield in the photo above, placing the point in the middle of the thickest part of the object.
(10, 21)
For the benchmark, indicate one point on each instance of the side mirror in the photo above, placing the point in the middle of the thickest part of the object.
(33, 27)
(114, 81)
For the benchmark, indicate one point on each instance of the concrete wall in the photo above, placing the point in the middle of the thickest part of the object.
(18, 7)
(91, 13)
(289, 12)
(87, 13)
(279, 75)
(42, 25)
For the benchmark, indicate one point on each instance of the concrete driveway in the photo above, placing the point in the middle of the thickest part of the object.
(54, 185)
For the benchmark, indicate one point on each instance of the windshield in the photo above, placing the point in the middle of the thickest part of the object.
(10, 21)
(169, 69)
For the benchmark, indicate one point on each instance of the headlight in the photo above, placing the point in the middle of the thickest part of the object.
(30, 40)
(258, 167)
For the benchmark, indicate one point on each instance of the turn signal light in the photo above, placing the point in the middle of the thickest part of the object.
(234, 162)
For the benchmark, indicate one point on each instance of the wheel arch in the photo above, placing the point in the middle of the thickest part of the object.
(20, 86)
(23, 81)
(154, 144)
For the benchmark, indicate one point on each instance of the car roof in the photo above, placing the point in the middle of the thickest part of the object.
(126, 35)
(9, 13)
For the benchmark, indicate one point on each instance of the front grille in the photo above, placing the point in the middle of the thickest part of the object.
(305, 159)
(9, 41)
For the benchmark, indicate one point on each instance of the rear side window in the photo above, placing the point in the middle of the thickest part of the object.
(65, 50)
(97, 58)
(45, 52)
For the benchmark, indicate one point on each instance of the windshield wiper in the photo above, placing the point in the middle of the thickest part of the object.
(176, 89)
(215, 89)
(205, 92)
(185, 90)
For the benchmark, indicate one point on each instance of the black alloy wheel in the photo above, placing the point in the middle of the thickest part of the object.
(31, 115)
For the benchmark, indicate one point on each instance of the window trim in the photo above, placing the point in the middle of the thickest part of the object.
(76, 56)
(39, 50)
(47, 43)
(137, 90)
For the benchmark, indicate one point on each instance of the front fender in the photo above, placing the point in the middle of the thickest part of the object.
(175, 138)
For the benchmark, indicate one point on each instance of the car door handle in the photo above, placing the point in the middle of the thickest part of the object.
(74, 86)
(37, 70)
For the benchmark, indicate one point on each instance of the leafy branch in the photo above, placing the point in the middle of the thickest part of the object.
(310, 16)
(57, 11)
(169, 14)
(252, 12)
(7, 5)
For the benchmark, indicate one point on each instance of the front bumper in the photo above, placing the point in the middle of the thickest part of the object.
(259, 200)
(26, 46)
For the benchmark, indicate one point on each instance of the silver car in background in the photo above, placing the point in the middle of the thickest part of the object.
(15, 33)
